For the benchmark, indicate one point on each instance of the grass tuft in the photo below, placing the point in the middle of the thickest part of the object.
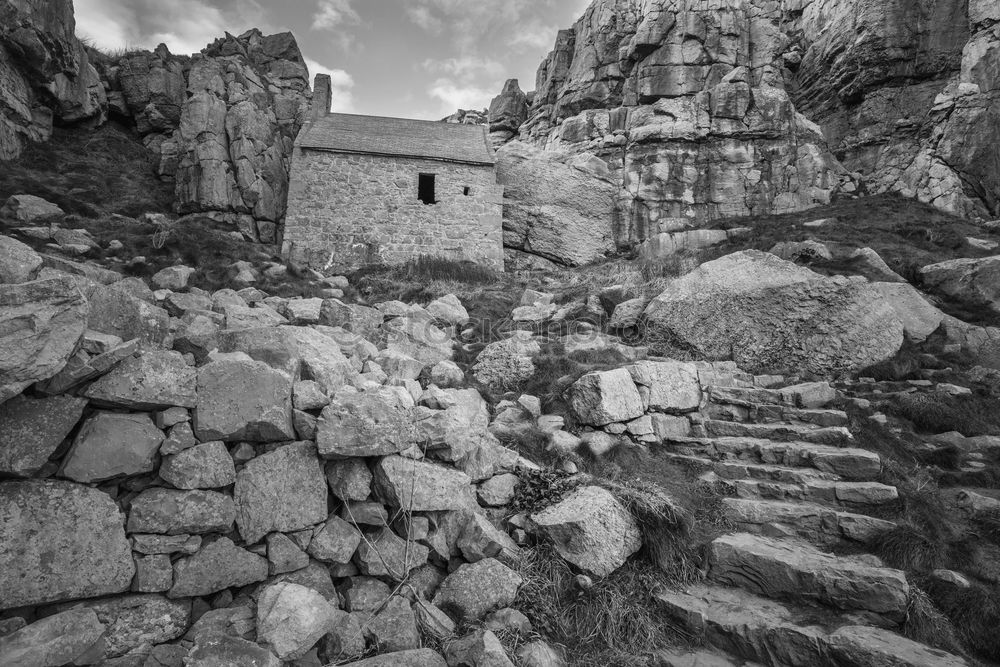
(926, 624)
(940, 413)
(909, 548)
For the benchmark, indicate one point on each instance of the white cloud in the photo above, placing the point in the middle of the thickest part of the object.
(332, 14)
(466, 67)
(341, 83)
(535, 36)
(454, 96)
(185, 26)
(423, 17)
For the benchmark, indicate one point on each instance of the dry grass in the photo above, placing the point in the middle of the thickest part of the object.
(909, 548)
(940, 413)
(926, 624)
(616, 622)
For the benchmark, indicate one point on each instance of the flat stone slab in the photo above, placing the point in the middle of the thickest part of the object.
(172, 512)
(777, 569)
(218, 565)
(420, 486)
(284, 490)
(55, 640)
(31, 430)
(152, 380)
(243, 400)
(61, 541)
(110, 445)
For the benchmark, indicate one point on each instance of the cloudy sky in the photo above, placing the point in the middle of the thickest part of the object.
(409, 58)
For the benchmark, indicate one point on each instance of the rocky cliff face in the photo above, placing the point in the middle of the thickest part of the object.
(712, 108)
(45, 73)
(221, 123)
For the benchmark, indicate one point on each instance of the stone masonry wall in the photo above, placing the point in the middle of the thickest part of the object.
(346, 211)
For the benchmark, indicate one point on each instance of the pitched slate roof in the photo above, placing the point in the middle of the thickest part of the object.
(399, 137)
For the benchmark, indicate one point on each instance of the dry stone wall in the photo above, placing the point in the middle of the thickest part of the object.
(346, 210)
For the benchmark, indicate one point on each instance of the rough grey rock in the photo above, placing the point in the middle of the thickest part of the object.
(110, 445)
(71, 533)
(667, 386)
(125, 309)
(385, 554)
(781, 569)
(284, 555)
(223, 651)
(243, 400)
(18, 262)
(591, 530)
(29, 208)
(335, 542)
(394, 627)
(173, 278)
(32, 429)
(40, 325)
(349, 479)
(421, 657)
(509, 109)
(768, 315)
(206, 466)
(420, 486)
(365, 424)
(478, 648)
(603, 397)
(475, 589)
(55, 640)
(170, 512)
(151, 380)
(216, 566)
(974, 281)
(284, 491)
(134, 621)
(291, 619)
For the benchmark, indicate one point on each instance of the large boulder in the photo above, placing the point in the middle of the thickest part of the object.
(475, 589)
(509, 109)
(975, 281)
(559, 206)
(591, 530)
(767, 314)
(41, 323)
(283, 491)
(62, 541)
(126, 309)
(243, 400)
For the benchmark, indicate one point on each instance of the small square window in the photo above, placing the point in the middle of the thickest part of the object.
(425, 189)
(466, 191)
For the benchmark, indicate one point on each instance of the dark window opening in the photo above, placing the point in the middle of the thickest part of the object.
(425, 189)
(466, 191)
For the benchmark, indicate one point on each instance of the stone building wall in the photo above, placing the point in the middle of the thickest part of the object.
(346, 211)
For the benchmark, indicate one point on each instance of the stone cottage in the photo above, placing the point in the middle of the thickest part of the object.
(368, 190)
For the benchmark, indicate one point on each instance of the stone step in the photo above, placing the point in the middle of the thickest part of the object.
(770, 414)
(834, 435)
(846, 462)
(777, 634)
(741, 470)
(817, 524)
(783, 569)
(851, 495)
(810, 395)
(849, 463)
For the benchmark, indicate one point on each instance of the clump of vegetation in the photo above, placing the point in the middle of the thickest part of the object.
(909, 548)
(940, 413)
(974, 612)
(926, 624)
(538, 489)
(617, 621)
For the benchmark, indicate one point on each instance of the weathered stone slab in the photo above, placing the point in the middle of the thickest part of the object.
(475, 589)
(291, 619)
(112, 444)
(62, 541)
(420, 486)
(672, 386)
(55, 640)
(243, 400)
(134, 621)
(365, 424)
(40, 325)
(283, 491)
(218, 565)
(31, 431)
(206, 466)
(170, 512)
(605, 397)
(152, 380)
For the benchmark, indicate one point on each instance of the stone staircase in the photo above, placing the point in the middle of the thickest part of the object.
(797, 486)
